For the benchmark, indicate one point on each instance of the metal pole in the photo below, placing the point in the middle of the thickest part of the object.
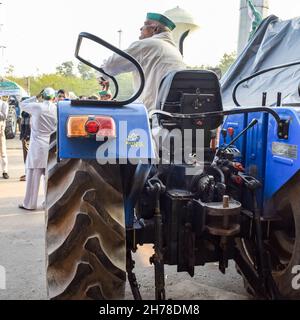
(2, 61)
(120, 38)
(28, 85)
(245, 24)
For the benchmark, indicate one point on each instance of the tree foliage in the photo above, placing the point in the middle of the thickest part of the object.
(66, 69)
(9, 70)
(221, 68)
(57, 81)
(84, 81)
(226, 61)
(86, 72)
(75, 84)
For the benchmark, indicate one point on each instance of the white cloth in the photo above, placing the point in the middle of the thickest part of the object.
(3, 110)
(33, 179)
(3, 153)
(157, 55)
(43, 123)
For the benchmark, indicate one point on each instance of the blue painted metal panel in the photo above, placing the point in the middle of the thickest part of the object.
(252, 144)
(265, 155)
(255, 151)
(281, 166)
(133, 134)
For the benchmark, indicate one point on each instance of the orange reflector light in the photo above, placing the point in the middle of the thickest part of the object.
(107, 127)
(76, 126)
(86, 126)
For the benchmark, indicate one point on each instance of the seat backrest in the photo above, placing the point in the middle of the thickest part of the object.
(190, 92)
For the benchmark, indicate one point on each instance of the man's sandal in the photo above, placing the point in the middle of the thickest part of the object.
(22, 207)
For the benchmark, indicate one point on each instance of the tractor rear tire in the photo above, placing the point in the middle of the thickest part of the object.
(283, 245)
(11, 123)
(85, 239)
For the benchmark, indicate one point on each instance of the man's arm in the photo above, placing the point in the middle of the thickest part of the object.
(30, 105)
(117, 64)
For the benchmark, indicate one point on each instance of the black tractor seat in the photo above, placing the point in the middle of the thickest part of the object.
(190, 92)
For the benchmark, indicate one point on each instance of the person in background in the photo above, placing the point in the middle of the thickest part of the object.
(25, 131)
(105, 95)
(72, 96)
(43, 123)
(62, 95)
(93, 97)
(3, 153)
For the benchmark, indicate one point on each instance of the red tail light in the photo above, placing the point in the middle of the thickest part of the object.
(107, 127)
(92, 126)
(89, 126)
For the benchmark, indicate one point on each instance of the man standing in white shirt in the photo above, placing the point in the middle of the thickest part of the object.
(43, 123)
(3, 154)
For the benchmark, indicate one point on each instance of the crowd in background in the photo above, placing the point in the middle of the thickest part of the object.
(39, 113)
(37, 122)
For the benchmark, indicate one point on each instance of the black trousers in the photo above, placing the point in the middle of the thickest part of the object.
(25, 145)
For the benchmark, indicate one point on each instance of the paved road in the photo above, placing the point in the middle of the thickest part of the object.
(21, 236)
(22, 253)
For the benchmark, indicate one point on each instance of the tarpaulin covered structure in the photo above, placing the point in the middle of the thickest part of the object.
(276, 42)
(10, 88)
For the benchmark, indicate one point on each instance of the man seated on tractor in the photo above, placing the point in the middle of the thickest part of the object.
(157, 53)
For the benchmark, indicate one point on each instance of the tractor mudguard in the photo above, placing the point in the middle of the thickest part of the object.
(132, 141)
(271, 160)
(85, 204)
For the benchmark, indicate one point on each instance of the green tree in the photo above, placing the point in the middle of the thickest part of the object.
(66, 69)
(125, 82)
(9, 70)
(57, 81)
(221, 68)
(226, 61)
(86, 72)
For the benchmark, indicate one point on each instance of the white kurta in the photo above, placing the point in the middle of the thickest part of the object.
(157, 55)
(43, 123)
(3, 154)
(3, 110)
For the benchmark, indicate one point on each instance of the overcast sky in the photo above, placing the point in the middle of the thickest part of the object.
(40, 34)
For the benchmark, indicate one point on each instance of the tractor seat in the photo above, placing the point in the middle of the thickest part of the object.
(190, 92)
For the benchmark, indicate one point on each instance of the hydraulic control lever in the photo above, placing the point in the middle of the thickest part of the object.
(251, 125)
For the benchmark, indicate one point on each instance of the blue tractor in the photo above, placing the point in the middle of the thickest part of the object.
(113, 187)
